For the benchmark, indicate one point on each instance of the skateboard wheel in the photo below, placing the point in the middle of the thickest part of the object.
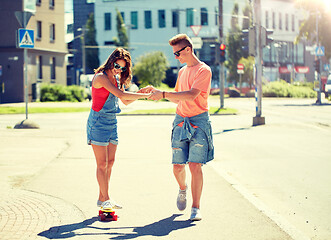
(115, 217)
(102, 217)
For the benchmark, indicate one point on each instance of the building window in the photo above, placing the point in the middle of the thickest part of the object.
(107, 21)
(148, 19)
(274, 20)
(51, 3)
(293, 22)
(38, 2)
(189, 17)
(280, 23)
(38, 37)
(39, 61)
(53, 64)
(123, 16)
(216, 16)
(266, 19)
(52, 32)
(134, 20)
(204, 16)
(286, 22)
(175, 19)
(162, 17)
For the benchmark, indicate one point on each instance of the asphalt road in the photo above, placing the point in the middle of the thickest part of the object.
(282, 168)
(286, 163)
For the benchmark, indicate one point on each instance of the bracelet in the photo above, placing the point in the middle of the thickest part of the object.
(163, 94)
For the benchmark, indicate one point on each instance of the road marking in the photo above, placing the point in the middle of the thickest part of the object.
(285, 225)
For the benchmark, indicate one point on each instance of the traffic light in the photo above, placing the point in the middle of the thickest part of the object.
(245, 42)
(222, 52)
(266, 38)
(248, 42)
(317, 65)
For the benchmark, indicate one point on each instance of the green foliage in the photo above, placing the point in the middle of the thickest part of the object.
(151, 68)
(56, 92)
(234, 43)
(92, 54)
(284, 89)
(248, 70)
(122, 40)
(308, 27)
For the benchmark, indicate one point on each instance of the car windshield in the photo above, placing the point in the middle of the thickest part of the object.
(329, 81)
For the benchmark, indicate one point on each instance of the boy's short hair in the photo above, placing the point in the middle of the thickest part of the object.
(181, 39)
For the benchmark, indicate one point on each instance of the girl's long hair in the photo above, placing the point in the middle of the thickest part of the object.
(118, 53)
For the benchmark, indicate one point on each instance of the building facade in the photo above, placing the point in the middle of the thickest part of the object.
(46, 61)
(283, 59)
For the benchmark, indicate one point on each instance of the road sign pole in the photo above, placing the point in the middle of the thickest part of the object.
(25, 73)
(258, 119)
(319, 98)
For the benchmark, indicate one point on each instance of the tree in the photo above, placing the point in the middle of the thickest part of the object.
(151, 68)
(308, 26)
(92, 54)
(122, 40)
(234, 44)
(248, 70)
(247, 20)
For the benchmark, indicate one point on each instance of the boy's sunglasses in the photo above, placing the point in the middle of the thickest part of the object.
(117, 66)
(177, 53)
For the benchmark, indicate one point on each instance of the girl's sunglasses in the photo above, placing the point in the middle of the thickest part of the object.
(117, 66)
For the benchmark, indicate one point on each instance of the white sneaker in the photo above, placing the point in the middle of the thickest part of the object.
(99, 203)
(181, 199)
(195, 214)
(113, 204)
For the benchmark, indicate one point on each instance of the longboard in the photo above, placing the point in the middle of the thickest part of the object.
(107, 215)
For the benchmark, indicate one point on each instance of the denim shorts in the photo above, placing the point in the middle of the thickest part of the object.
(194, 150)
(101, 129)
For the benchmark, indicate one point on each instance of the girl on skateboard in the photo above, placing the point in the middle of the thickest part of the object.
(107, 87)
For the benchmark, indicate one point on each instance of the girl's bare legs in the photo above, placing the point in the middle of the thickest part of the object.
(105, 157)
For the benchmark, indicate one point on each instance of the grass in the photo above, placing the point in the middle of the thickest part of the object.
(21, 110)
(164, 111)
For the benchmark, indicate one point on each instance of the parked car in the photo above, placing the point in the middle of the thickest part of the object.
(328, 86)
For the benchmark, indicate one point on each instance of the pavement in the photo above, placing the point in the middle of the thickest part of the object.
(48, 188)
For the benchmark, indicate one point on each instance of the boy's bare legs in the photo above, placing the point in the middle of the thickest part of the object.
(196, 183)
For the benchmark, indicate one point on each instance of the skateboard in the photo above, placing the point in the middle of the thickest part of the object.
(107, 215)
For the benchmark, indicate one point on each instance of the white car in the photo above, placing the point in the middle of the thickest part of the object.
(328, 87)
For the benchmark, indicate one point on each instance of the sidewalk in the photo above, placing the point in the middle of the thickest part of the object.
(48, 187)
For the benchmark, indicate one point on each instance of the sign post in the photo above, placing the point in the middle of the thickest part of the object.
(240, 71)
(25, 40)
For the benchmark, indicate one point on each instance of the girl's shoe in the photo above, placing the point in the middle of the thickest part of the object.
(111, 202)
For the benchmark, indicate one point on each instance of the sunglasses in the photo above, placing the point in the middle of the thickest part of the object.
(117, 66)
(177, 53)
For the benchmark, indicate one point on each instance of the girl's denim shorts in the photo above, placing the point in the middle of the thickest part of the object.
(194, 150)
(101, 129)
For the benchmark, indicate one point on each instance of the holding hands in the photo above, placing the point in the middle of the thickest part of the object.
(155, 93)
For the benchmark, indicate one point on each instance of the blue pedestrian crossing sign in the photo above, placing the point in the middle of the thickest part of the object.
(25, 38)
(319, 51)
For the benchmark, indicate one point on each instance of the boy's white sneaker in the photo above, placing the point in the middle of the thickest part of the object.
(195, 214)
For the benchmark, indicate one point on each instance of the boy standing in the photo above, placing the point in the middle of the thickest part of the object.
(191, 134)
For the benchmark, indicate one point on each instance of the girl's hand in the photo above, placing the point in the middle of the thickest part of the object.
(146, 89)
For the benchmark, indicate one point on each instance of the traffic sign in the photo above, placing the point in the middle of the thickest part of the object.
(196, 29)
(25, 38)
(240, 66)
(327, 67)
(197, 42)
(320, 51)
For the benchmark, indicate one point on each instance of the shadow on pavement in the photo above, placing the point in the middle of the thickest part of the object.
(230, 130)
(161, 228)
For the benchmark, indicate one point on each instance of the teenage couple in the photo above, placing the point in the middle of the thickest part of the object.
(191, 134)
